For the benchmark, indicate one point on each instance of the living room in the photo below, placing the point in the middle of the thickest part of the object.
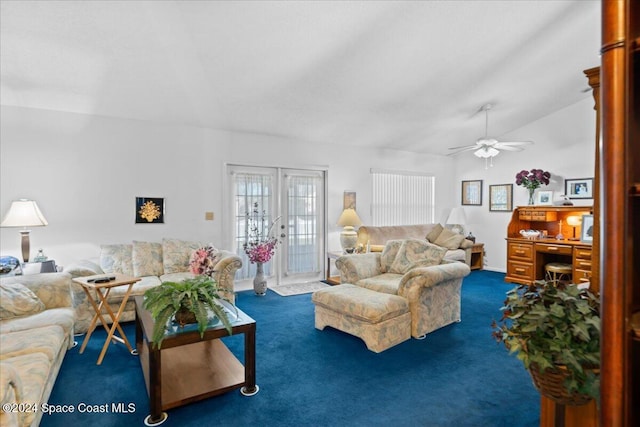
(84, 137)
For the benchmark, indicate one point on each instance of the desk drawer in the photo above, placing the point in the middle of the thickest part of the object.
(520, 270)
(583, 253)
(553, 249)
(521, 251)
(581, 276)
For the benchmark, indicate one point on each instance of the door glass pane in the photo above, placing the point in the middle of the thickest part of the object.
(250, 189)
(304, 224)
(302, 234)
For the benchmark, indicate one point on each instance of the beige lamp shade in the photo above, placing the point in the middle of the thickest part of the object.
(457, 219)
(349, 217)
(574, 221)
(24, 213)
(349, 237)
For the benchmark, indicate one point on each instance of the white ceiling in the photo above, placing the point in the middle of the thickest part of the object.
(404, 75)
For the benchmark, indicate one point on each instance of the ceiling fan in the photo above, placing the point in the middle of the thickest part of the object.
(487, 147)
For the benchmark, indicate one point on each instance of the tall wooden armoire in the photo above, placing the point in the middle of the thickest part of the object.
(620, 213)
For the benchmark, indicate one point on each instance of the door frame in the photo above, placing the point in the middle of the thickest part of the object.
(228, 226)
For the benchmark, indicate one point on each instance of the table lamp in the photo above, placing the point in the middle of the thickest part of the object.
(24, 213)
(349, 237)
(457, 219)
(574, 221)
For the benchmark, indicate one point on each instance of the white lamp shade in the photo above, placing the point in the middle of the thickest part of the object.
(349, 217)
(574, 220)
(457, 216)
(24, 213)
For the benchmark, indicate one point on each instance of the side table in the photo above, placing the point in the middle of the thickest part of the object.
(102, 290)
(477, 256)
(332, 280)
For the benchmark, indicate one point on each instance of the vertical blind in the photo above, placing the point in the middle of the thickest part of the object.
(402, 198)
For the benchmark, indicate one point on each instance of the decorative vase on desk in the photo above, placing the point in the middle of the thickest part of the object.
(259, 282)
(531, 199)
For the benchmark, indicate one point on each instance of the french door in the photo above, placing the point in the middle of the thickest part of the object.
(295, 200)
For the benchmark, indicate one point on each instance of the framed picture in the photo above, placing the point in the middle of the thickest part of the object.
(472, 193)
(579, 188)
(149, 210)
(587, 228)
(544, 198)
(349, 201)
(501, 198)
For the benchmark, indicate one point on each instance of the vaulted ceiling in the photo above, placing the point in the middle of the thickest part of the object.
(407, 75)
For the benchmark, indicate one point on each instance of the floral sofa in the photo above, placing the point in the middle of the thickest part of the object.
(36, 330)
(154, 263)
(416, 270)
(458, 248)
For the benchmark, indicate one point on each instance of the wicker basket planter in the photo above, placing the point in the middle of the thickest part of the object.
(550, 384)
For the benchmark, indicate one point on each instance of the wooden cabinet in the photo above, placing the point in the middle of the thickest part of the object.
(582, 264)
(526, 258)
(477, 256)
(520, 261)
(620, 207)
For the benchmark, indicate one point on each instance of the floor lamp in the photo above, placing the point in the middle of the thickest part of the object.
(24, 213)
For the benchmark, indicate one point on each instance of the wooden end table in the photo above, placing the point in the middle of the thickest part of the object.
(477, 256)
(187, 368)
(102, 290)
(332, 280)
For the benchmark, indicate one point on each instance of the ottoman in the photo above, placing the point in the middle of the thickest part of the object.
(380, 320)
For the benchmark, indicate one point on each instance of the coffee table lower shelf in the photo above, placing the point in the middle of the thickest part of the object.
(194, 372)
(187, 368)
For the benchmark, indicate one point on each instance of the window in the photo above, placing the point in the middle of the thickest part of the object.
(402, 198)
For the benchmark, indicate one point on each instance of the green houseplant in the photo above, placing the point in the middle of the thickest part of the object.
(188, 301)
(554, 329)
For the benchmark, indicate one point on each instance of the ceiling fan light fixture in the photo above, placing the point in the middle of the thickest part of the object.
(486, 152)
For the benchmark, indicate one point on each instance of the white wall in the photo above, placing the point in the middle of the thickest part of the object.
(564, 146)
(85, 172)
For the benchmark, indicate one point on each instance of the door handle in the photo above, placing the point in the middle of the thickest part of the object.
(283, 235)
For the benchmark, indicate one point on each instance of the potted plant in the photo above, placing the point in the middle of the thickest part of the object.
(188, 301)
(554, 329)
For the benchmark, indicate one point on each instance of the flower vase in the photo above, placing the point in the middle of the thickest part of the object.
(259, 282)
(531, 199)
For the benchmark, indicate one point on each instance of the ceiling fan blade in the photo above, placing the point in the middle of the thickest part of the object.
(509, 148)
(462, 146)
(463, 150)
(506, 143)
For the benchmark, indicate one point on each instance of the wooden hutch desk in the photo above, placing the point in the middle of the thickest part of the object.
(526, 258)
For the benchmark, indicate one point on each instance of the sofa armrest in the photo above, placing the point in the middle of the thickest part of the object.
(358, 266)
(225, 272)
(424, 277)
(53, 289)
(11, 387)
(83, 268)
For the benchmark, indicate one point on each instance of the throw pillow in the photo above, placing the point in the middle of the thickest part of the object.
(147, 259)
(434, 233)
(415, 253)
(176, 254)
(448, 239)
(389, 254)
(116, 259)
(17, 300)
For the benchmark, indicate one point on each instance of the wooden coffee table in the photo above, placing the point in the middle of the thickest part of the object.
(188, 368)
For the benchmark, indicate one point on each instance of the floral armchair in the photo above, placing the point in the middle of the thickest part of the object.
(413, 269)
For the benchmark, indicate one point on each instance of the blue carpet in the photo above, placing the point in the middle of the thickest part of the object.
(457, 376)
